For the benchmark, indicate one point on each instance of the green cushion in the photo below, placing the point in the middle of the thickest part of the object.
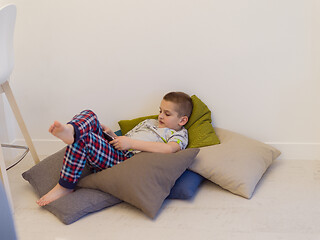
(200, 129)
(127, 125)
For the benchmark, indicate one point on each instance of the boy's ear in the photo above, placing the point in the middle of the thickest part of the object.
(183, 120)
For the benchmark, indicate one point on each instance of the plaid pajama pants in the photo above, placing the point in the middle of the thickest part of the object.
(89, 146)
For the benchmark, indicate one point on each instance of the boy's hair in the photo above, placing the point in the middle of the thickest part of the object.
(183, 101)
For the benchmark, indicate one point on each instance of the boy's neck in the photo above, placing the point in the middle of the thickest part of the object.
(179, 128)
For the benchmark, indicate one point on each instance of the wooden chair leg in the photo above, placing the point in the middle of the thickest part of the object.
(7, 89)
(4, 178)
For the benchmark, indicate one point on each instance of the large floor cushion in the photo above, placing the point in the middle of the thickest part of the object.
(144, 180)
(236, 164)
(45, 175)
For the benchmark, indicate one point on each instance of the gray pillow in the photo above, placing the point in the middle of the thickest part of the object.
(144, 180)
(81, 202)
(45, 175)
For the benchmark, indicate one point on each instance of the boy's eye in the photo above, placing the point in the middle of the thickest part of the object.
(165, 113)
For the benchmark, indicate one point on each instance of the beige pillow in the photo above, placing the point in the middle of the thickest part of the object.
(236, 164)
(144, 180)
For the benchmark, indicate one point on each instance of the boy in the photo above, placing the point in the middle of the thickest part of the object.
(86, 141)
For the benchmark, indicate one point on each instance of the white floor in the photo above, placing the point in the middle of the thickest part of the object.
(286, 205)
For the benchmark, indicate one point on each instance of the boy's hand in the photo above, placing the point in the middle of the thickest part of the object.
(108, 130)
(122, 143)
(105, 128)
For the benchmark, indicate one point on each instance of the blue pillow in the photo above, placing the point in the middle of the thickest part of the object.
(186, 185)
(118, 133)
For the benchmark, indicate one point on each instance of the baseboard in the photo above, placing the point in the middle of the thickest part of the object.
(294, 151)
(44, 146)
(298, 151)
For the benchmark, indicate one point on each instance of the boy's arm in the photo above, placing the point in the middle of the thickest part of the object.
(126, 143)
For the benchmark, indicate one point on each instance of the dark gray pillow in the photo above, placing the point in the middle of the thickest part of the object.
(81, 202)
(45, 175)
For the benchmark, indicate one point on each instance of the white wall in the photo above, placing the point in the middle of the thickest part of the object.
(254, 63)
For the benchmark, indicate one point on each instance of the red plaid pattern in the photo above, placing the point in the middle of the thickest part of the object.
(89, 146)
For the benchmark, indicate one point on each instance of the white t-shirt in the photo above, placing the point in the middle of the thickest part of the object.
(148, 130)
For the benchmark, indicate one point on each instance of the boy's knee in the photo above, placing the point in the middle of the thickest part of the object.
(88, 112)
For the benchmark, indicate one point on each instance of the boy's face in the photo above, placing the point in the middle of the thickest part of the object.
(169, 117)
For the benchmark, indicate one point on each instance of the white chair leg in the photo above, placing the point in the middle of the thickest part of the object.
(7, 89)
(4, 178)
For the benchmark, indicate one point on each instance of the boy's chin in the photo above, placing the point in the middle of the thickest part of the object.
(161, 125)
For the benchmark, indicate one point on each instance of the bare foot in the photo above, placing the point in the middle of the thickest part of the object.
(63, 131)
(55, 193)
